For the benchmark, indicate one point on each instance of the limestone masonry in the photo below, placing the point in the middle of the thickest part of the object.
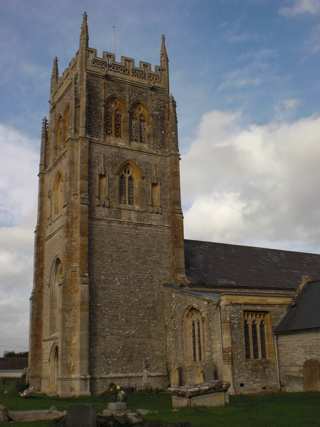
(119, 296)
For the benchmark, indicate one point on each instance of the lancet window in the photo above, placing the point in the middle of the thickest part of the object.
(114, 118)
(194, 336)
(138, 124)
(255, 334)
(126, 188)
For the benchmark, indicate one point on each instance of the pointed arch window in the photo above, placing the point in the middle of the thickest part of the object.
(138, 124)
(194, 336)
(126, 189)
(117, 123)
(142, 128)
(114, 118)
(256, 330)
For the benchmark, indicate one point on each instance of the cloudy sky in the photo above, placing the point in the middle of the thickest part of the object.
(245, 74)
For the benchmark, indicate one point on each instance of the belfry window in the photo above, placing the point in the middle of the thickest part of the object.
(126, 186)
(255, 334)
(117, 124)
(138, 124)
(142, 129)
(114, 118)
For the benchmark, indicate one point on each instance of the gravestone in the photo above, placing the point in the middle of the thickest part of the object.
(81, 416)
(3, 414)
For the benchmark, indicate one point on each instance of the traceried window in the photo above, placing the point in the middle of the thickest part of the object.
(142, 128)
(138, 124)
(194, 336)
(114, 118)
(126, 190)
(255, 334)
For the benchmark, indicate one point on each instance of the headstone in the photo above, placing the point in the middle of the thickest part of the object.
(81, 416)
(117, 406)
(3, 414)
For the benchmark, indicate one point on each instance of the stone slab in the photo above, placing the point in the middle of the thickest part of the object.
(35, 415)
(206, 400)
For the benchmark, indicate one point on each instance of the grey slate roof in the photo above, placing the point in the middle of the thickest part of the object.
(220, 265)
(305, 314)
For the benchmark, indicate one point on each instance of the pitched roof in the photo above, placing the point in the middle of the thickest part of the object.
(220, 265)
(305, 313)
(13, 363)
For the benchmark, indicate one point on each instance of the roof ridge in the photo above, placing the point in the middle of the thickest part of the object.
(252, 247)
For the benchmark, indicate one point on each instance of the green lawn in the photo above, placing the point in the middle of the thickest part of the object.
(277, 410)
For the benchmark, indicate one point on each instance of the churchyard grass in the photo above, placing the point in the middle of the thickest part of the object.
(275, 410)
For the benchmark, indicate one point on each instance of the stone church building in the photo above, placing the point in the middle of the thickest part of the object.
(119, 296)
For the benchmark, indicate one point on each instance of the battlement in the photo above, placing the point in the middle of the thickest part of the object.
(107, 64)
(126, 66)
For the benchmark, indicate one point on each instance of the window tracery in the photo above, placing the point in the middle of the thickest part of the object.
(114, 118)
(255, 334)
(194, 336)
(127, 186)
(138, 124)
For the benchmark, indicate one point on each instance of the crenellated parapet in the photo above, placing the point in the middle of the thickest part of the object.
(145, 72)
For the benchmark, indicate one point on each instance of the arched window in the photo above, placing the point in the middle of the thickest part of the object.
(194, 336)
(138, 124)
(255, 334)
(117, 123)
(56, 280)
(114, 118)
(142, 128)
(127, 186)
(57, 195)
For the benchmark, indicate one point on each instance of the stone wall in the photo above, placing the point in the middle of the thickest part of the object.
(180, 362)
(131, 247)
(254, 375)
(295, 351)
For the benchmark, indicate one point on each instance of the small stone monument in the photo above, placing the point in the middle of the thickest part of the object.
(120, 405)
(4, 416)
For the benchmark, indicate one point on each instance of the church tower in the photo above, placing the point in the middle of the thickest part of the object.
(109, 232)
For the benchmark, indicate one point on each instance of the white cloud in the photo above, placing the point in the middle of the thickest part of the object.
(299, 7)
(18, 188)
(287, 107)
(253, 184)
